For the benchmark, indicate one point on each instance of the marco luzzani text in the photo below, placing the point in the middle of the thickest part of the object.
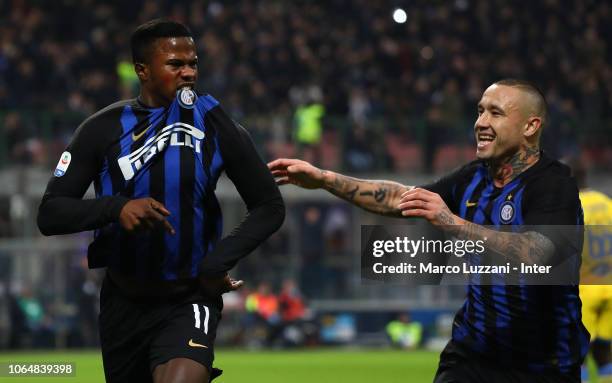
(459, 248)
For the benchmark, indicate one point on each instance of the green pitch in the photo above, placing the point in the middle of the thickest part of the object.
(328, 365)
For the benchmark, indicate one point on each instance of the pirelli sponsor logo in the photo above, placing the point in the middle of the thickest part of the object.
(176, 134)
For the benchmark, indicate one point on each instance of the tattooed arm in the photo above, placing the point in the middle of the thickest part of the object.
(381, 197)
(530, 247)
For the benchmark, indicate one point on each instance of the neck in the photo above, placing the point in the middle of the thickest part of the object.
(507, 169)
(151, 101)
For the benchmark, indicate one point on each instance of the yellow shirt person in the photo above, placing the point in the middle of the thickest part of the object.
(596, 277)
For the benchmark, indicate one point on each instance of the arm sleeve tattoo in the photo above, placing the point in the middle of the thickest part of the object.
(380, 197)
(530, 247)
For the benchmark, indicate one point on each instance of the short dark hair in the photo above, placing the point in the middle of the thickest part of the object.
(147, 33)
(541, 106)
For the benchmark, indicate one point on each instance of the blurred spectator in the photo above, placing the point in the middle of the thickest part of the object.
(83, 292)
(312, 250)
(292, 306)
(256, 51)
(405, 333)
(263, 317)
(5, 222)
(359, 150)
(337, 228)
(37, 323)
(308, 119)
(31, 307)
(15, 136)
(18, 326)
(263, 303)
(5, 314)
(297, 326)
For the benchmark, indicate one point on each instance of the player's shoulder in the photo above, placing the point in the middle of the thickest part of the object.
(550, 173)
(101, 118)
(552, 181)
(98, 128)
(207, 102)
(113, 109)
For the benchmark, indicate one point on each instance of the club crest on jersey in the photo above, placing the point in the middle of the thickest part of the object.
(507, 211)
(186, 98)
(63, 164)
(176, 134)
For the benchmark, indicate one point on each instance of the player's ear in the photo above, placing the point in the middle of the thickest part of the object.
(142, 71)
(532, 127)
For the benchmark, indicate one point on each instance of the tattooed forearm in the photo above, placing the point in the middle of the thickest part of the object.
(540, 247)
(530, 247)
(445, 217)
(343, 186)
(380, 197)
(351, 193)
(379, 194)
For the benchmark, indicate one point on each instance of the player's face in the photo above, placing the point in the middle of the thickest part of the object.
(173, 64)
(498, 127)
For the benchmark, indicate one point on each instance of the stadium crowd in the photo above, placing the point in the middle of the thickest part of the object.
(391, 96)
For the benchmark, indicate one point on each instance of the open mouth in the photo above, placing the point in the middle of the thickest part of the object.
(484, 140)
(185, 85)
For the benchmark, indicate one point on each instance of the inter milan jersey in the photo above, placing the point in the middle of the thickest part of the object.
(538, 328)
(174, 155)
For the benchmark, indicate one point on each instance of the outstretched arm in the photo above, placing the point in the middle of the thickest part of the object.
(529, 247)
(376, 196)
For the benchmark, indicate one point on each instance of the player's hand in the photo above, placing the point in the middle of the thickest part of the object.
(296, 172)
(214, 287)
(144, 213)
(423, 203)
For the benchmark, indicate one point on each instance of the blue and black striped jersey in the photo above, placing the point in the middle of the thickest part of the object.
(174, 155)
(538, 328)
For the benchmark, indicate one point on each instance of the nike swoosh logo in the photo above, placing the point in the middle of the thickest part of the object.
(194, 344)
(470, 204)
(136, 137)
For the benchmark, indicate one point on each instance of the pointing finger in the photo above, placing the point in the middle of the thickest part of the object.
(158, 206)
(155, 215)
(169, 227)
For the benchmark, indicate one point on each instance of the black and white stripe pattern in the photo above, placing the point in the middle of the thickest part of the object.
(196, 314)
